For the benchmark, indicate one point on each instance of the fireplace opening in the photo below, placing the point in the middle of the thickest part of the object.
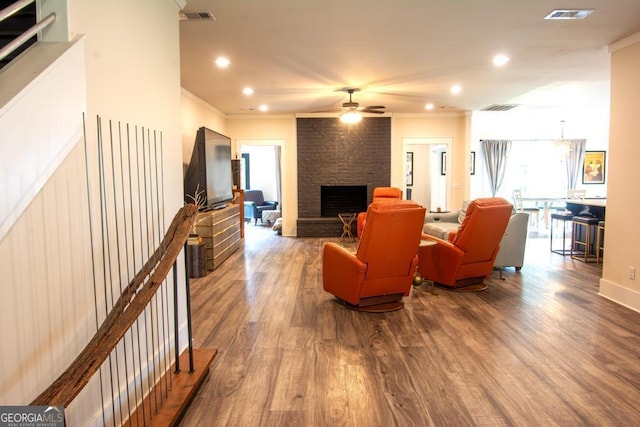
(336, 199)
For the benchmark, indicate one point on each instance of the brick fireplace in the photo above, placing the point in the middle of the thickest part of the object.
(336, 156)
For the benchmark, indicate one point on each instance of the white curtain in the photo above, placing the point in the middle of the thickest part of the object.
(495, 153)
(574, 159)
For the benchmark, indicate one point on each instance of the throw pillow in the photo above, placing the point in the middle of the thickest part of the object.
(463, 211)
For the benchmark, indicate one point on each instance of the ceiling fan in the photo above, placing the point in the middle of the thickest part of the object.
(351, 110)
(355, 106)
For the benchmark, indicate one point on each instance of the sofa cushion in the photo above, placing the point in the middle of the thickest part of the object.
(440, 229)
(463, 211)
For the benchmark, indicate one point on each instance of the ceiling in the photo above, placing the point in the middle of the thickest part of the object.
(298, 54)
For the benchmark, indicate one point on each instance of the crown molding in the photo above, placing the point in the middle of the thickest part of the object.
(625, 42)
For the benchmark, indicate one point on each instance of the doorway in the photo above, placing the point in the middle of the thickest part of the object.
(427, 166)
(260, 169)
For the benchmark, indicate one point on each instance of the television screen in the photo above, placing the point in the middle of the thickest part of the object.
(219, 177)
(209, 171)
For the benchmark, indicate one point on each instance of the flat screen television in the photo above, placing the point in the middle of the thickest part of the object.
(209, 170)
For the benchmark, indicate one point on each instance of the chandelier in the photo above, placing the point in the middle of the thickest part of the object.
(565, 145)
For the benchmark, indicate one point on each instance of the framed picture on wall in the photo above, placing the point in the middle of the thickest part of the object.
(443, 163)
(473, 163)
(593, 167)
(409, 169)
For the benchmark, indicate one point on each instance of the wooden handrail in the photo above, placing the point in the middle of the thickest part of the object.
(132, 302)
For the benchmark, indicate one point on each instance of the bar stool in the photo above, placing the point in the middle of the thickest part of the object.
(583, 236)
(564, 218)
(600, 243)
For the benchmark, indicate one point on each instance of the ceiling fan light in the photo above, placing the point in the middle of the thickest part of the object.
(350, 117)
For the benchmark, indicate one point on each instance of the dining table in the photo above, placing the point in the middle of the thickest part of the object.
(546, 202)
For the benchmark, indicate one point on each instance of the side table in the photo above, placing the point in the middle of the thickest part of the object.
(196, 260)
(347, 220)
(417, 277)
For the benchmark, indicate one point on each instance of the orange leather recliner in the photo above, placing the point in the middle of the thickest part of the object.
(467, 258)
(380, 273)
(380, 194)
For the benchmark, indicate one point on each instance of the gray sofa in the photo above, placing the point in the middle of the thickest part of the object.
(440, 224)
(513, 243)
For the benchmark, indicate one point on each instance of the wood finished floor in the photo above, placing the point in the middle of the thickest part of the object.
(539, 348)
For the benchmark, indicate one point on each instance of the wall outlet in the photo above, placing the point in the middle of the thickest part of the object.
(632, 273)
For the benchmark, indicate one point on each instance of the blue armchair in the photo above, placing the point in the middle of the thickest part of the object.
(254, 205)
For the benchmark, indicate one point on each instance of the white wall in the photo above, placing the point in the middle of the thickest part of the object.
(622, 231)
(133, 76)
(47, 311)
(48, 86)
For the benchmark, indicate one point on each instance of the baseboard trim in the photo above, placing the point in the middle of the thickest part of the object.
(619, 294)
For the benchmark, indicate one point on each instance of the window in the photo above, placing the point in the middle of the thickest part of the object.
(537, 168)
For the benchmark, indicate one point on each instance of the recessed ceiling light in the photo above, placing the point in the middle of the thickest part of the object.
(569, 14)
(222, 62)
(456, 89)
(500, 60)
(263, 107)
(429, 106)
(247, 91)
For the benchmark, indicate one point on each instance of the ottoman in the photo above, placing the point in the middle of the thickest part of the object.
(269, 217)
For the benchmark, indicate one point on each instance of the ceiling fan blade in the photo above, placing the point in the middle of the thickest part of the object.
(369, 110)
(376, 107)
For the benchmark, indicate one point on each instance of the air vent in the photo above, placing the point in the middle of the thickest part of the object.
(197, 16)
(499, 107)
(569, 14)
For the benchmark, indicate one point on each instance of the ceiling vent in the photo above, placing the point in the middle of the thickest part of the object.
(569, 14)
(197, 16)
(499, 107)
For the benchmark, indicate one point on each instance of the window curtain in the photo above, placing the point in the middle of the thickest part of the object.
(495, 153)
(573, 160)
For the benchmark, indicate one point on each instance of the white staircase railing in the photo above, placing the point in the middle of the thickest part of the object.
(29, 33)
